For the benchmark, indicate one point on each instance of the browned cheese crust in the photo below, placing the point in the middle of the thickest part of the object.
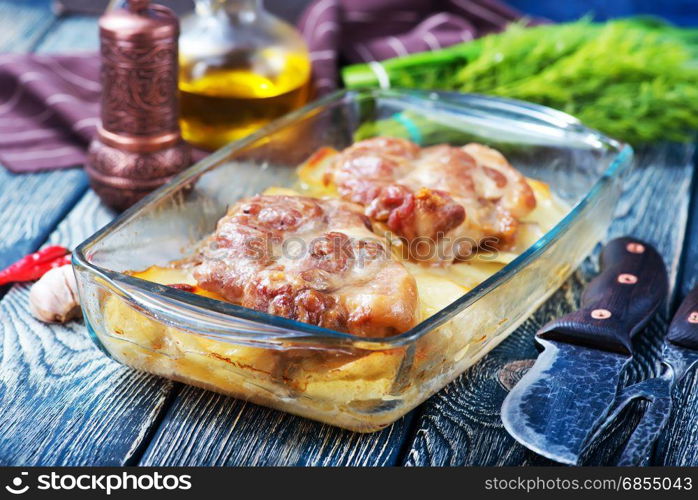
(454, 197)
(310, 260)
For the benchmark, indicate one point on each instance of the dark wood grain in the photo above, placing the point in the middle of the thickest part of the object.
(630, 304)
(31, 205)
(683, 330)
(71, 34)
(461, 425)
(678, 444)
(689, 261)
(203, 428)
(64, 402)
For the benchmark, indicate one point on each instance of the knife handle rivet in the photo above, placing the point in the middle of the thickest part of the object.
(627, 279)
(600, 314)
(693, 317)
(635, 247)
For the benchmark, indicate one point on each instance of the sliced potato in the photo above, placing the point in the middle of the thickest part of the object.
(175, 276)
(314, 175)
(368, 377)
(123, 322)
(280, 191)
(436, 291)
(473, 272)
(548, 212)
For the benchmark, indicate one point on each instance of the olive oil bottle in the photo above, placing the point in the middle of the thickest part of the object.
(240, 67)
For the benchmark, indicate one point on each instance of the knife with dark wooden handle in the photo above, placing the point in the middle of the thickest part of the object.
(679, 356)
(618, 302)
(683, 330)
(568, 392)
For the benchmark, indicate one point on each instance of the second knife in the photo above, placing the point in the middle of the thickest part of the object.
(558, 404)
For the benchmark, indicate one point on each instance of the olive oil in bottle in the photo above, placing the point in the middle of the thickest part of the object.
(240, 68)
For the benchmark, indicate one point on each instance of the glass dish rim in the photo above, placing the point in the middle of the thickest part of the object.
(621, 161)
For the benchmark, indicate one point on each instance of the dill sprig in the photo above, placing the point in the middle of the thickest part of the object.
(634, 79)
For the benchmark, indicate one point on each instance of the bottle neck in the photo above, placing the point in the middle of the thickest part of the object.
(242, 10)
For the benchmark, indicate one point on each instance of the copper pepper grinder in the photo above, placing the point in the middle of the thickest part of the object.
(138, 147)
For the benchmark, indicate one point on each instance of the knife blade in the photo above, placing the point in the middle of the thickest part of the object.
(679, 356)
(572, 385)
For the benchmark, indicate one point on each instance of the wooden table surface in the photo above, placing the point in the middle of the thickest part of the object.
(62, 402)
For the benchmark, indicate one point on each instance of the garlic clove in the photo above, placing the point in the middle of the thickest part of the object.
(54, 298)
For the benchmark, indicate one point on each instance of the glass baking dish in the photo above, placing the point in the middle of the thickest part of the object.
(362, 384)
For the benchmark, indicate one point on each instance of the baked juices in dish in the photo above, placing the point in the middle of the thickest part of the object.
(371, 241)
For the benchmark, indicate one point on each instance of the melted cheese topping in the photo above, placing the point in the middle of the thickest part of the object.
(437, 286)
(440, 286)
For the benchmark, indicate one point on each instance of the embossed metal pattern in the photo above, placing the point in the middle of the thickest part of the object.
(138, 147)
(677, 362)
(679, 356)
(561, 400)
(139, 84)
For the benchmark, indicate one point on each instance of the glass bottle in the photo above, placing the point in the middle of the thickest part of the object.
(240, 67)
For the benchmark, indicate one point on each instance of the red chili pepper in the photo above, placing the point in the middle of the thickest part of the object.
(35, 265)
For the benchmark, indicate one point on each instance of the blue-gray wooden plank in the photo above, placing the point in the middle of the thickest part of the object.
(689, 265)
(31, 205)
(461, 425)
(63, 401)
(678, 444)
(233, 432)
(202, 428)
(23, 23)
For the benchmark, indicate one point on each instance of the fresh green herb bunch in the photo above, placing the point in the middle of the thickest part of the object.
(521, 52)
(634, 79)
(634, 84)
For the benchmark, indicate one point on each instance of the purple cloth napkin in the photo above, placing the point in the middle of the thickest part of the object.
(49, 106)
(372, 30)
